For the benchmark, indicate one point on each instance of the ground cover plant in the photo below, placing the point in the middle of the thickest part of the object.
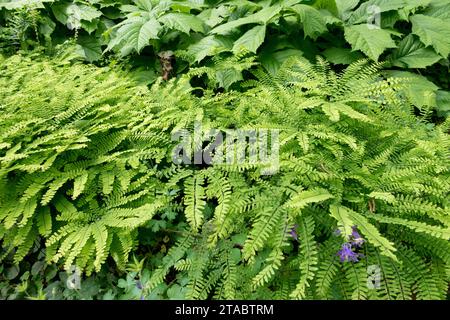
(119, 120)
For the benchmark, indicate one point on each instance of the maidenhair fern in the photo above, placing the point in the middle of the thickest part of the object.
(86, 159)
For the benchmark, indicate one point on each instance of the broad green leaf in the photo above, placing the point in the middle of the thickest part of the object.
(225, 78)
(209, 46)
(344, 7)
(342, 55)
(251, 40)
(441, 11)
(412, 4)
(90, 26)
(372, 42)
(261, 17)
(135, 34)
(72, 14)
(419, 90)
(328, 5)
(46, 26)
(17, 4)
(212, 17)
(90, 47)
(433, 32)
(182, 22)
(272, 62)
(144, 4)
(367, 9)
(411, 53)
(313, 22)
(443, 103)
(144, 33)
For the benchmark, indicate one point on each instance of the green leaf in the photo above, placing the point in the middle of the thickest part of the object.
(261, 17)
(272, 60)
(437, 232)
(209, 46)
(18, 4)
(135, 34)
(313, 22)
(182, 22)
(385, 196)
(363, 13)
(331, 112)
(251, 40)
(344, 223)
(78, 185)
(344, 7)
(432, 32)
(37, 267)
(419, 90)
(44, 221)
(328, 5)
(90, 26)
(90, 47)
(342, 55)
(194, 201)
(411, 53)
(372, 42)
(441, 11)
(348, 218)
(12, 272)
(144, 33)
(304, 198)
(225, 78)
(350, 112)
(71, 14)
(443, 103)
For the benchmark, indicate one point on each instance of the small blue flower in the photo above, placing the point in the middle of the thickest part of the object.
(139, 285)
(357, 240)
(347, 254)
(293, 232)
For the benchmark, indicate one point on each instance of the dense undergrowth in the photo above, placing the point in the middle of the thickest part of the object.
(135, 161)
(88, 184)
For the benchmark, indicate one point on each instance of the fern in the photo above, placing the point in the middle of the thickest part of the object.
(86, 166)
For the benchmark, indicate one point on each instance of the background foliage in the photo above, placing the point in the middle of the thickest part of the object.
(411, 36)
(92, 92)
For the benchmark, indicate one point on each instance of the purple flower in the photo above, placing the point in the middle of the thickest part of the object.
(293, 232)
(357, 240)
(337, 232)
(347, 254)
(139, 285)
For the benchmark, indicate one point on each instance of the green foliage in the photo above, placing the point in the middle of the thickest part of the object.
(87, 171)
(408, 35)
